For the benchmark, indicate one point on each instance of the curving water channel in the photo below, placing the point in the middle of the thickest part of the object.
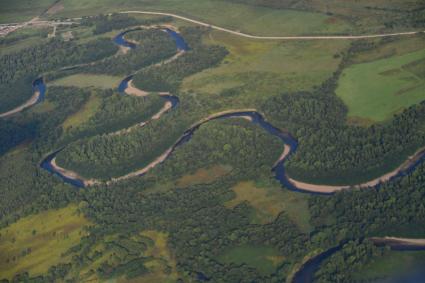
(290, 143)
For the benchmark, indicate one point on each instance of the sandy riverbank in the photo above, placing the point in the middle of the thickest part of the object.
(33, 100)
(372, 183)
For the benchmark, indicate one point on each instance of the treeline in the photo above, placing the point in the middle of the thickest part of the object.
(106, 23)
(56, 53)
(168, 77)
(116, 112)
(330, 151)
(19, 69)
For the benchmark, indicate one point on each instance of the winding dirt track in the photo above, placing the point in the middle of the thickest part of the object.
(352, 37)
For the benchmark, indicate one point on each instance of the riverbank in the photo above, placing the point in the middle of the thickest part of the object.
(33, 100)
(329, 189)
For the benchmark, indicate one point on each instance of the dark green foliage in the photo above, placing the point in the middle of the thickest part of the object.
(13, 133)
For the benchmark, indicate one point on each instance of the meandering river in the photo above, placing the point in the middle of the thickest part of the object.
(289, 142)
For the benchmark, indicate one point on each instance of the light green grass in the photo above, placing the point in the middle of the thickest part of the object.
(379, 89)
(263, 258)
(393, 263)
(47, 234)
(88, 80)
(269, 202)
(241, 17)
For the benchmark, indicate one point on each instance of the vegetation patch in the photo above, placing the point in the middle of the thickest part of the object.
(36, 242)
(269, 201)
(87, 111)
(256, 68)
(263, 258)
(204, 176)
(377, 90)
(162, 265)
(89, 80)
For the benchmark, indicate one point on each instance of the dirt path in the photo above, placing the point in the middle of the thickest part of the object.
(30, 102)
(273, 37)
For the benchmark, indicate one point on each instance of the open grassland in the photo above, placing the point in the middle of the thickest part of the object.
(393, 264)
(386, 48)
(204, 176)
(36, 242)
(377, 90)
(87, 111)
(264, 258)
(88, 80)
(246, 18)
(15, 11)
(261, 68)
(269, 202)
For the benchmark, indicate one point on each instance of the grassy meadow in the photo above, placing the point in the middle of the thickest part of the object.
(376, 90)
(36, 242)
(256, 68)
(246, 18)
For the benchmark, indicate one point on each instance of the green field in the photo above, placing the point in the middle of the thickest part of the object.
(264, 258)
(377, 90)
(36, 242)
(242, 17)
